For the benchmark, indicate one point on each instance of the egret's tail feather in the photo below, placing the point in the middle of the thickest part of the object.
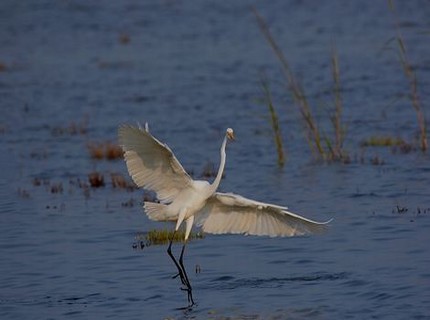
(156, 211)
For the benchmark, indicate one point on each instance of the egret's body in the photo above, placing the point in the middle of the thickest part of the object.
(152, 165)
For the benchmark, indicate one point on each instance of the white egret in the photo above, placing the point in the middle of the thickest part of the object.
(153, 166)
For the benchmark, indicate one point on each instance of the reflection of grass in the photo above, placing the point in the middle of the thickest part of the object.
(154, 237)
(413, 82)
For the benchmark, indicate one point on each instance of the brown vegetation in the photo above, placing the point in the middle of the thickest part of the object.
(104, 150)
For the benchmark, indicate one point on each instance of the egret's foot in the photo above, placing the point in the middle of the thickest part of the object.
(182, 274)
(189, 295)
(190, 298)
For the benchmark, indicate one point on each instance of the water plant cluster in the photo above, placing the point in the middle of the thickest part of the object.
(325, 147)
(104, 150)
(163, 236)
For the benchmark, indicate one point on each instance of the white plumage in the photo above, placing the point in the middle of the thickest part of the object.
(152, 165)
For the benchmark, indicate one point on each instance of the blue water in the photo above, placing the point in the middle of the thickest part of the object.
(72, 71)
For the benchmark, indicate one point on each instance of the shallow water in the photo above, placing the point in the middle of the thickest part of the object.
(73, 71)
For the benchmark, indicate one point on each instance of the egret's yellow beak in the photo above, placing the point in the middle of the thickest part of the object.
(230, 134)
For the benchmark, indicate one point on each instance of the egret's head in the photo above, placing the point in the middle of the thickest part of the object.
(230, 134)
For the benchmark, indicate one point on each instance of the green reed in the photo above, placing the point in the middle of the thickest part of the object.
(326, 148)
(413, 81)
(163, 236)
(274, 120)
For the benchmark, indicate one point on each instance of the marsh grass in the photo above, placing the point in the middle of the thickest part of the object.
(96, 179)
(322, 145)
(397, 145)
(313, 134)
(412, 79)
(163, 236)
(339, 129)
(382, 141)
(104, 150)
(274, 120)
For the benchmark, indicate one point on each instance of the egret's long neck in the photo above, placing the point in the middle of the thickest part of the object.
(217, 180)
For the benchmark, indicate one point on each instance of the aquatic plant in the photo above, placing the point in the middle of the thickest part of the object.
(163, 236)
(413, 81)
(339, 129)
(57, 188)
(274, 120)
(382, 141)
(395, 143)
(320, 144)
(313, 134)
(104, 150)
(96, 179)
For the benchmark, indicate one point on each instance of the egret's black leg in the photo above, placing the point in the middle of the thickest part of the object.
(188, 284)
(180, 271)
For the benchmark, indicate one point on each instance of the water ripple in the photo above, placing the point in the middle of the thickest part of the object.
(229, 282)
(49, 300)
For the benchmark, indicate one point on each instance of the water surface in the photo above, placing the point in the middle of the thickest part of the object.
(73, 71)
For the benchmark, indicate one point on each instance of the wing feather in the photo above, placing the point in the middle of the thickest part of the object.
(231, 213)
(151, 163)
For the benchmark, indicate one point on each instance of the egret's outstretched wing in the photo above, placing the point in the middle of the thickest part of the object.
(231, 213)
(151, 163)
